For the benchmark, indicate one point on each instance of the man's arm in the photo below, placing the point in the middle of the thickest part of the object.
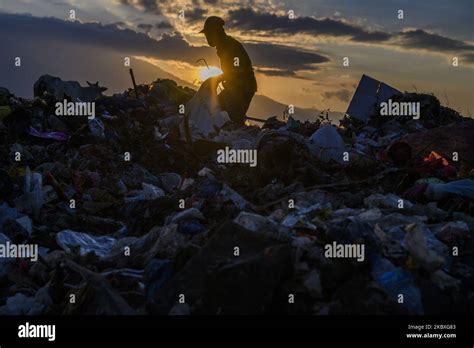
(234, 63)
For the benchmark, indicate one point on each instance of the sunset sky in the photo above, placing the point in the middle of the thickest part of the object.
(297, 61)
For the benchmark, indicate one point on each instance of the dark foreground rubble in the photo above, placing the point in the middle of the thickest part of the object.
(132, 218)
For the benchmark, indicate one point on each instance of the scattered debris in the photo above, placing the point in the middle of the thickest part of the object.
(167, 229)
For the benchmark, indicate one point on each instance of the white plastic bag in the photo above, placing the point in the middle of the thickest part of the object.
(32, 199)
(99, 245)
(327, 144)
(205, 111)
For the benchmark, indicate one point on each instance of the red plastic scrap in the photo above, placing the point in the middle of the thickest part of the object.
(434, 156)
(435, 165)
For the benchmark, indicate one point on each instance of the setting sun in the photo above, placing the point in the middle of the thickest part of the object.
(207, 72)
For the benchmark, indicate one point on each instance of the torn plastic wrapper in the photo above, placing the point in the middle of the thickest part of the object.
(60, 136)
(99, 245)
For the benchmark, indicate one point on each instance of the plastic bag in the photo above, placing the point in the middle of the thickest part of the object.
(97, 128)
(464, 188)
(428, 251)
(205, 111)
(389, 201)
(327, 144)
(229, 194)
(149, 192)
(395, 281)
(87, 243)
(32, 199)
(61, 136)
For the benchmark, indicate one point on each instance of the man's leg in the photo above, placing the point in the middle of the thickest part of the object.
(235, 103)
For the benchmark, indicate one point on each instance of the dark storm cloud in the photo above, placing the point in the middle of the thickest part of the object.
(280, 73)
(248, 19)
(197, 14)
(342, 95)
(282, 60)
(159, 26)
(119, 24)
(433, 42)
(44, 29)
(107, 37)
(163, 25)
(145, 26)
(422, 40)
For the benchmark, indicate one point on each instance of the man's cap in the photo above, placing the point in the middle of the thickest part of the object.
(212, 23)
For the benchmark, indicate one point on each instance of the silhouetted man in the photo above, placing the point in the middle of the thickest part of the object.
(238, 78)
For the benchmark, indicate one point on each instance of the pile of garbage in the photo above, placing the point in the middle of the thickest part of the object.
(131, 212)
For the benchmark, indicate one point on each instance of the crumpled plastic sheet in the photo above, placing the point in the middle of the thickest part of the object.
(61, 136)
(99, 245)
(327, 144)
(464, 188)
(205, 112)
